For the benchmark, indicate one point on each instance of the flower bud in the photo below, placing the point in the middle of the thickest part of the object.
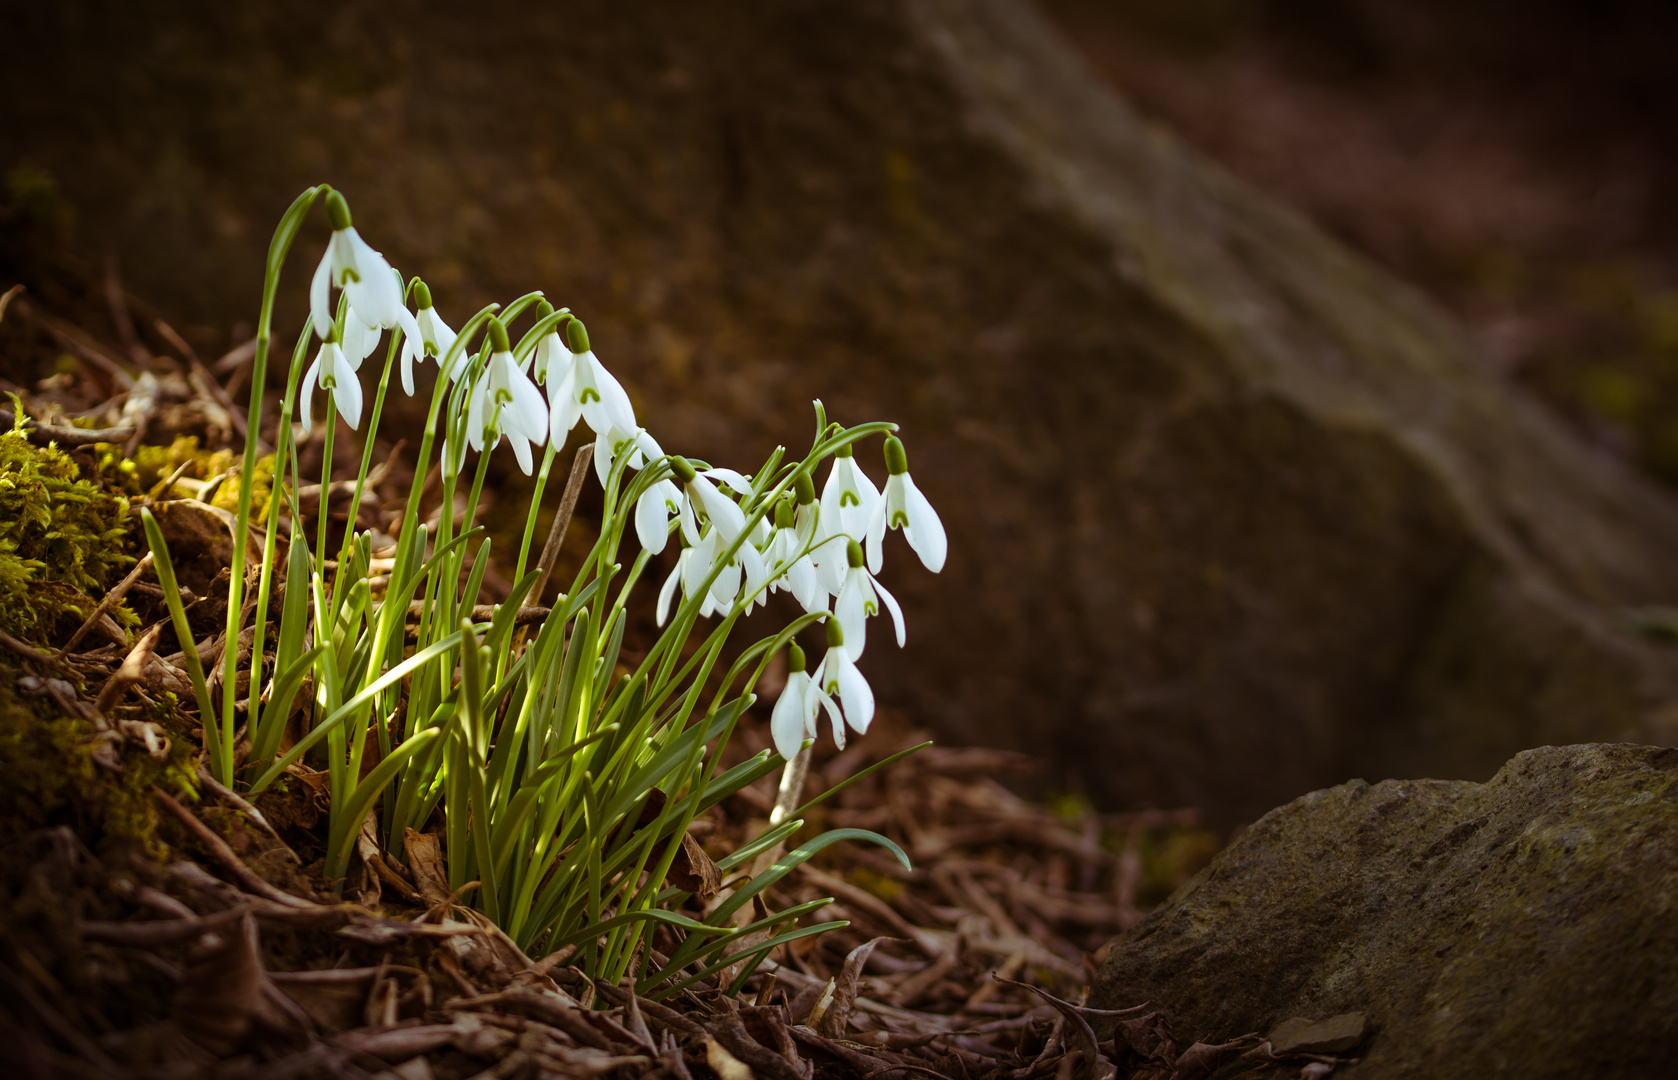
(835, 636)
(683, 470)
(844, 451)
(783, 514)
(498, 342)
(897, 461)
(576, 335)
(543, 309)
(422, 294)
(853, 554)
(337, 211)
(795, 657)
(805, 488)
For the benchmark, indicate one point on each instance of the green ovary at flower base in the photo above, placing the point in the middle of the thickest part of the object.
(559, 778)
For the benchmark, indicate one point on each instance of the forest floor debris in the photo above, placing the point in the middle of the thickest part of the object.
(157, 924)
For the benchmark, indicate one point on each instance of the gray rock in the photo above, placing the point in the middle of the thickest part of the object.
(1233, 514)
(1521, 927)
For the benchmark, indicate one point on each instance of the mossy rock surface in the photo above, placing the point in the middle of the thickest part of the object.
(1522, 927)
(1233, 514)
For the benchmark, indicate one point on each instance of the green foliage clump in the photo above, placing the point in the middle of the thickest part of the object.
(63, 539)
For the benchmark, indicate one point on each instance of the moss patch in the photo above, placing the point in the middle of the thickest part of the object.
(63, 539)
(48, 775)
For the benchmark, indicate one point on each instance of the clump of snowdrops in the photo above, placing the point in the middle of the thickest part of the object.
(564, 786)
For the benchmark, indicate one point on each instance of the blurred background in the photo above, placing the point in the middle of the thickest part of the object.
(1298, 380)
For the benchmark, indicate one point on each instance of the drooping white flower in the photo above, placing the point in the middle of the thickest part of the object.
(794, 717)
(433, 340)
(333, 373)
(653, 511)
(608, 445)
(849, 497)
(505, 402)
(788, 563)
(837, 675)
(359, 339)
(860, 597)
(552, 358)
(848, 502)
(726, 517)
(904, 507)
(350, 264)
(587, 391)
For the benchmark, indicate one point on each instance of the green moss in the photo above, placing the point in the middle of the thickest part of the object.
(63, 540)
(48, 775)
(153, 464)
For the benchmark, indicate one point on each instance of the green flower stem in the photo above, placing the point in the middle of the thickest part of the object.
(321, 504)
(222, 764)
(265, 586)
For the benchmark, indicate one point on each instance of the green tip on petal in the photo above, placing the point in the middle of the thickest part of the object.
(835, 636)
(844, 451)
(783, 514)
(897, 461)
(805, 488)
(337, 211)
(576, 335)
(795, 657)
(853, 554)
(683, 470)
(422, 294)
(498, 342)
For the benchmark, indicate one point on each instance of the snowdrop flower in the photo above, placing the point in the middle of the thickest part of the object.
(505, 402)
(373, 288)
(640, 446)
(587, 392)
(849, 498)
(553, 359)
(794, 717)
(336, 375)
(653, 511)
(837, 676)
(434, 338)
(701, 558)
(860, 597)
(359, 339)
(727, 519)
(848, 502)
(904, 507)
(789, 563)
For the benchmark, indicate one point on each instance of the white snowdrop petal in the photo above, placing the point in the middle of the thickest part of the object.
(725, 513)
(563, 413)
(857, 697)
(521, 451)
(603, 454)
(876, 539)
(786, 721)
(667, 591)
(320, 296)
(925, 532)
(347, 395)
(529, 409)
(741, 483)
(892, 606)
(306, 395)
(614, 400)
(851, 611)
(652, 520)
